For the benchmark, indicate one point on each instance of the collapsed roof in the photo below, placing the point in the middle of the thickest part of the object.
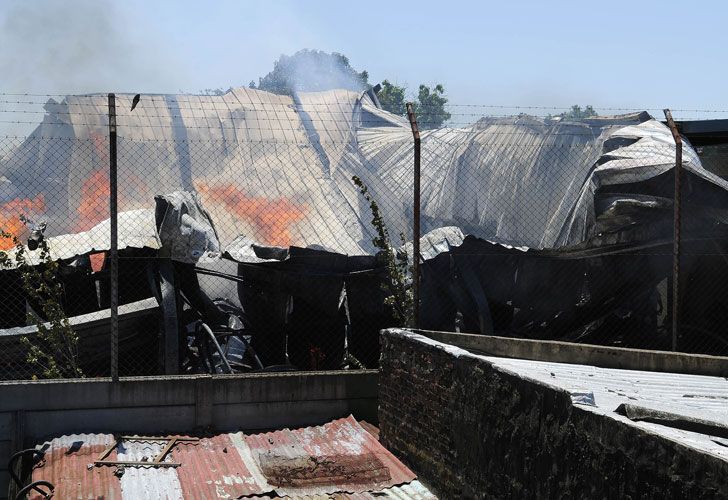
(278, 170)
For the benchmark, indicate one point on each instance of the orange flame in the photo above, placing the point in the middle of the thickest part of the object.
(10, 213)
(94, 206)
(272, 219)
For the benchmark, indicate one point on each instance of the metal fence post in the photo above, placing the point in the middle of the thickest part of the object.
(416, 220)
(114, 247)
(676, 229)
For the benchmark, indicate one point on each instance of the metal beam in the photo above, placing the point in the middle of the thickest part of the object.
(416, 219)
(114, 250)
(676, 230)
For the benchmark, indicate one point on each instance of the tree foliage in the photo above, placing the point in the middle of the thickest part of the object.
(315, 70)
(53, 350)
(399, 296)
(576, 113)
(429, 106)
(391, 97)
(312, 71)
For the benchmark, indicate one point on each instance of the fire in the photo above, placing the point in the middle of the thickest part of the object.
(94, 206)
(272, 219)
(10, 214)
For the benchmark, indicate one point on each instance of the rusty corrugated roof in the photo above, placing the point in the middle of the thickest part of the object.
(410, 491)
(336, 457)
(340, 459)
(66, 466)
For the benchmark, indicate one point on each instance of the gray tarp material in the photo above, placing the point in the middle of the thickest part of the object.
(520, 181)
(185, 228)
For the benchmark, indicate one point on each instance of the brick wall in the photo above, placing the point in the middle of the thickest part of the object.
(471, 430)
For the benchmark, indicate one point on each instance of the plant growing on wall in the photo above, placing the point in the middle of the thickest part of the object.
(53, 351)
(399, 295)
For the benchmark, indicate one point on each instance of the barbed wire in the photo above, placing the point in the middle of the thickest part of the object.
(171, 99)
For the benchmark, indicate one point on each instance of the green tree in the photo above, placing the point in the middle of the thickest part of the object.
(312, 71)
(430, 107)
(391, 97)
(576, 113)
(399, 294)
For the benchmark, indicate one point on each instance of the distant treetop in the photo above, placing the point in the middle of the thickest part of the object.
(576, 113)
(315, 70)
(312, 71)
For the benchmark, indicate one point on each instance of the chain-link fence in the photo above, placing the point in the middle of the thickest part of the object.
(259, 232)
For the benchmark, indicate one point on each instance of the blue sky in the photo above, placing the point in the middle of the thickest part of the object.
(645, 55)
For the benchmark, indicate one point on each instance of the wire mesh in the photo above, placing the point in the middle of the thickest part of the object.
(532, 227)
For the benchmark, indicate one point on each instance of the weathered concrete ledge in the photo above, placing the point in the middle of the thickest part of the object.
(586, 354)
(472, 427)
(33, 410)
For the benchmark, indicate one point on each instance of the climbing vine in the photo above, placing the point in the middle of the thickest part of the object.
(53, 350)
(399, 296)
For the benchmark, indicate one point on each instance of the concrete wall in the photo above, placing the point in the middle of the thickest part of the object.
(472, 430)
(31, 411)
(586, 354)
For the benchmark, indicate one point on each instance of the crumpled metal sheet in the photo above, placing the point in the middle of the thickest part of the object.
(520, 181)
(185, 228)
(136, 230)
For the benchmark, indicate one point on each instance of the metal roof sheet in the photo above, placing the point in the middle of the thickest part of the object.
(339, 459)
(409, 491)
(251, 154)
(137, 229)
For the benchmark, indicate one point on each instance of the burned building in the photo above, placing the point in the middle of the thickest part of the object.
(535, 227)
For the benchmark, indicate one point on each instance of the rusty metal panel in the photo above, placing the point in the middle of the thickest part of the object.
(340, 459)
(410, 491)
(336, 457)
(213, 468)
(66, 466)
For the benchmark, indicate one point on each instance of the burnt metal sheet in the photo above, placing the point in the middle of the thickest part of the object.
(337, 457)
(340, 459)
(93, 332)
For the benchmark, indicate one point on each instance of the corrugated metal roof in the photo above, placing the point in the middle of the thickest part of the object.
(410, 491)
(250, 153)
(66, 466)
(336, 460)
(337, 457)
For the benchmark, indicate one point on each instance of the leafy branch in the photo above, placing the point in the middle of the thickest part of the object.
(53, 351)
(396, 285)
